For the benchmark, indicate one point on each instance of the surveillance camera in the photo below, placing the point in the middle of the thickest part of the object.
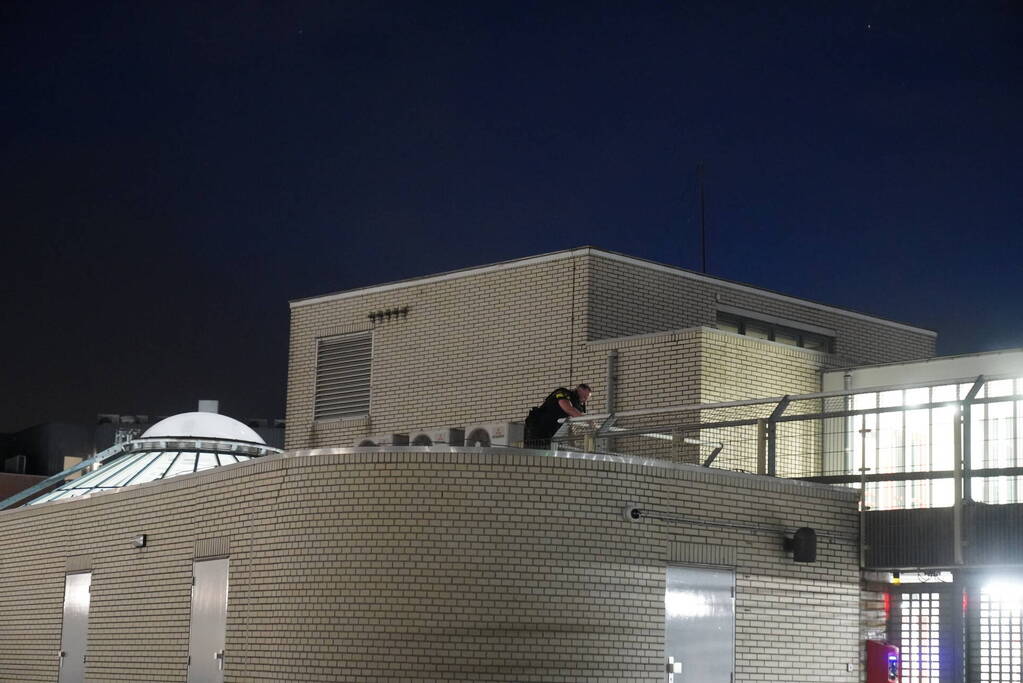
(631, 513)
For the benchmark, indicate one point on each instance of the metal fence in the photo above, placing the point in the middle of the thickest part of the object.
(908, 446)
(940, 464)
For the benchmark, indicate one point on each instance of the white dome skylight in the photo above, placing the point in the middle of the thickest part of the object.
(202, 426)
(181, 444)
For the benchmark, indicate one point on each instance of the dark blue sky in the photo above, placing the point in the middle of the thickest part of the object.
(175, 172)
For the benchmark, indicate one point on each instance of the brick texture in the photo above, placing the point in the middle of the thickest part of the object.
(456, 566)
(485, 345)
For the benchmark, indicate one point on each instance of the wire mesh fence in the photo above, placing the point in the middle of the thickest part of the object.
(905, 446)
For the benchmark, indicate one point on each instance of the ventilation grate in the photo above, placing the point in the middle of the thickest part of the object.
(342, 376)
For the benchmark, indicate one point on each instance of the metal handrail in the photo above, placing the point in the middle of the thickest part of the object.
(837, 393)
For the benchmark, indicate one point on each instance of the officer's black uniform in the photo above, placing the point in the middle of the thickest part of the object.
(542, 422)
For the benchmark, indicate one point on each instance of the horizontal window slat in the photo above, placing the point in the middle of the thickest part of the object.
(349, 397)
(347, 369)
(336, 410)
(337, 348)
(338, 353)
(353, 371)
(344, 384)
(343, 405)
(334, 416)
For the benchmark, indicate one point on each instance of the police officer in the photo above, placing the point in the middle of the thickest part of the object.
(542, 422)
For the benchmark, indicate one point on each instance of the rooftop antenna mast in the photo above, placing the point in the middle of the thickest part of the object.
(703, 224)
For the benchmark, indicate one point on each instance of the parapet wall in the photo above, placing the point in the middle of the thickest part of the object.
(430, 564)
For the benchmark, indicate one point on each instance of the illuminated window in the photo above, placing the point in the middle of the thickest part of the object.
(921, 440)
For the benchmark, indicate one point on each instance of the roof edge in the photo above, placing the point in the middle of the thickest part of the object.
(608, 254)
(930, 359)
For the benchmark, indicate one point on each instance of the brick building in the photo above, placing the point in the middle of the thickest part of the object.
(474, 563)
(484, 344)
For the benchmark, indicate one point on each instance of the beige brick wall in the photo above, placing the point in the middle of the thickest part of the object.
(734, 367)
(630, 298)
(484, 346)
(472, 349)
(427, 566)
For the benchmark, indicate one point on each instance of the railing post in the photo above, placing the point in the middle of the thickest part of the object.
(967, 436)
(863, 494)
(762, 446)
(772, 436)
(958, 434)
(603, 441)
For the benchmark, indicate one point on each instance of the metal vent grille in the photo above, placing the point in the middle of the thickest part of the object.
(920, 637)
(342, 376)
(1001, 639)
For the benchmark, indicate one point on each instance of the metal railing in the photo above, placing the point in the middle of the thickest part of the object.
(941, 444)
(891, 434)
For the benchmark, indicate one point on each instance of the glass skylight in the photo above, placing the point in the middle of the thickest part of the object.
(179, 445)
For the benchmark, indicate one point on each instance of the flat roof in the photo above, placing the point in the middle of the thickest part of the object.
(604, 253)
(932, 359)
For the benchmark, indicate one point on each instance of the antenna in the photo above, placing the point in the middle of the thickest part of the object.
(703, 224)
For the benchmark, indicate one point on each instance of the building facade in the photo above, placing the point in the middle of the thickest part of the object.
(484, 344)
(446, 562)
(432, 565)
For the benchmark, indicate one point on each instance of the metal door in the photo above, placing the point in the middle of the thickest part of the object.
(75, 629)
(926, 622)
(209, 620)
(699, 625)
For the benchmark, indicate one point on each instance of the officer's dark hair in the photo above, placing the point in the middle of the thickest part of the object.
(584, 386)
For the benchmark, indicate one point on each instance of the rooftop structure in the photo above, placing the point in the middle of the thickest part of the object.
(180, 444)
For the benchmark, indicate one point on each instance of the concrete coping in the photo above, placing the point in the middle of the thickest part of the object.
(465, 456)
(751, 480)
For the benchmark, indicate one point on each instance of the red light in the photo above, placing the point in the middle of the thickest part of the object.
(966, 601)
(887, 605)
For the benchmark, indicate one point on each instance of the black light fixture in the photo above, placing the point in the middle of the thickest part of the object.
(802, 545)
(138, 541)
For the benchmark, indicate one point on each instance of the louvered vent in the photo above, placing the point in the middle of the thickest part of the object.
(342, 376)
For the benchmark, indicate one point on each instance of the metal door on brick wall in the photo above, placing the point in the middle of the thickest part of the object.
(699, 625)
(209, 621)
(75, 629)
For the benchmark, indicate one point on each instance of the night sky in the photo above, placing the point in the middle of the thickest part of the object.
(174, 173)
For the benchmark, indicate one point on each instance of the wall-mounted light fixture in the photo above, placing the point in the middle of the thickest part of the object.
(802, 545)
(138, 541)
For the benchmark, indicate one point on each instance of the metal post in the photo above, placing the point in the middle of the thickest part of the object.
(952, 628)
(603, 440)
(607, 444)
(967, 435)
(958, 479)
(772, 436)
(762, 446)
(863, 494)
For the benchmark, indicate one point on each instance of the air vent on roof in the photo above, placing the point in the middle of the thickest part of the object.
(494, 434)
